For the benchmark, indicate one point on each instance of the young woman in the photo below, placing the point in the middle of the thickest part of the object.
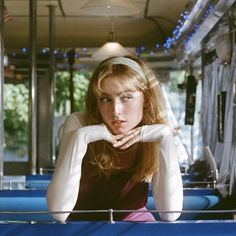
(108, 154)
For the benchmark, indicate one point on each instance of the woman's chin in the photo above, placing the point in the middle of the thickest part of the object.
(119, 131)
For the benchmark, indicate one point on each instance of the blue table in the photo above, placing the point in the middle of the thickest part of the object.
(23, 201)
(197, 203)
(35, 201)
(207, 228)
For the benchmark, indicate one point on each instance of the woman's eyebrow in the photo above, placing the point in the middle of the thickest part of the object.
(126, 91)
(104, 94)
(119, 93)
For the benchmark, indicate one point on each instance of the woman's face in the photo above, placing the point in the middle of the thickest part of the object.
(121, 109)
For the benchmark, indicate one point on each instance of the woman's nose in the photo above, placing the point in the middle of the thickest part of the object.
(117, 107)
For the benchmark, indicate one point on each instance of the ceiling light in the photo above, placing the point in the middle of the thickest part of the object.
(110, 48)
(109, 8)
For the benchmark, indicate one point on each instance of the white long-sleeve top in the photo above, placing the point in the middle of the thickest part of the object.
(63, 190)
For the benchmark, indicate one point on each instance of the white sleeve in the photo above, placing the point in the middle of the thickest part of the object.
(64, 187)
(167, 185)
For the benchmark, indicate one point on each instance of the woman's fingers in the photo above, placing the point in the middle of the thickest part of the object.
(118, 137)
(130, 142)
(127, 139)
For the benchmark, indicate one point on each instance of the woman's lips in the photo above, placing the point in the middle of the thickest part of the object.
(118, 123)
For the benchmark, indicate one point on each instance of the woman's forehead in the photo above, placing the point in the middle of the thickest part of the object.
(123, 83)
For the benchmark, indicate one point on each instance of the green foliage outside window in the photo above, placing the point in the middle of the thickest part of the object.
(16, 99)
(81, 82)
(16, 108)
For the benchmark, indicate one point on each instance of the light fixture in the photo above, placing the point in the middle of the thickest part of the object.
(109, 8)
(110, 48)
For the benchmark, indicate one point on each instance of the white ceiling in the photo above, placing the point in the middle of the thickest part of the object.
(76, 30)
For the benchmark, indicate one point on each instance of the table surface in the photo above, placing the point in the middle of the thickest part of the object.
(121, 228)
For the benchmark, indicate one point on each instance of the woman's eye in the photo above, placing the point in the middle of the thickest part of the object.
(126, 98)
(104, 99)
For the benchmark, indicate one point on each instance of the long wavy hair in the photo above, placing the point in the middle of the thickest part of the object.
(140, 78)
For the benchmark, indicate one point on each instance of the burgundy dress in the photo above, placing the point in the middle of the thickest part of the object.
(117, 192)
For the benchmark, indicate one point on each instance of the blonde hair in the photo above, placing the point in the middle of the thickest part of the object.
(135, 75)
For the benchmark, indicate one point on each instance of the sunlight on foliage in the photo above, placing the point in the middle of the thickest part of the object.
(16, 108)
(81, 82)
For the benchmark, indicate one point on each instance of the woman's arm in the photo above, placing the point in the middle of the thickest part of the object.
(167, 185)
(63, 190)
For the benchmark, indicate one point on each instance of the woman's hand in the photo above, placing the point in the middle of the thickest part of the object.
(146, 133)
(100, 132)
(127, 139)
(95, 133)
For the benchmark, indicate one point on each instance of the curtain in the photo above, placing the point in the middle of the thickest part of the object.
(219, 78)
(227, 173)
(209, 104)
